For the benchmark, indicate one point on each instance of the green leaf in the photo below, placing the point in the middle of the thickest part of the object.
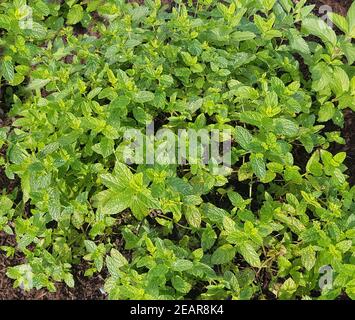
(105, 147)
(287, 289)
(112, 202)
(339, 21)
(37, 30)
(5, 21)
(193, 216)
(313, 166)
(223, 254)
(349, 51)
(351, 20)
(310, 199)
(258, 165)
(320, 29)
(182, 265)
(36, 84)
(144, 96)
(69, 280)
(297, 43)
(115, 261)
(308, 257)
(75, 14)
(341, 82)
(54, 207)
(243, 137)
(7, 70)
(243, 35)
(326, 112)
(208, 238)
(180, 284)
(249, 254)
(285, 127)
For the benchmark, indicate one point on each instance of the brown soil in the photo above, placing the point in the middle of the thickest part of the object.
(90, 288)
(339, 6)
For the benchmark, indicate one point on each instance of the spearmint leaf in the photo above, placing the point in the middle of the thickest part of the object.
(249, 254)
(54, 206)
(5, 22)
(326, 112)
(310, 199)
(351, 20)
(258, 165)
(141, 206)
(243, 137)
(94, 92)
(308, 257)
(193, 106)
(69, 280)
(105, 147)
(182, 265)
(112, 202)
(285, 127)
(339, 21)
(75, 14)
(320, 29)
(180, 185)
(313, 166)
(344, 246)
(243, 35)
(341, 82)
(143, 96)
(213, 213)
(287, 289)
(90, 245)
(36, 84)
(7, 70)
(180, 284)
(223, 254)
(298, 43)
(115, 261)
(208, 238)
(193, 216)
(37, 30)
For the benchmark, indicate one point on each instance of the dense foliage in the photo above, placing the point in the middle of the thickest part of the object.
(77, 74)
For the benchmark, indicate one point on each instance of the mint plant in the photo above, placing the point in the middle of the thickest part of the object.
(270, 75)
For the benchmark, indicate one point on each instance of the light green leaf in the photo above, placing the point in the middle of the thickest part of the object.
(182, 265)
(320, 29)
(351, 20)
(54, 207)
(112, 202)
(105, 147)
(308, 257)
(243, 35)
(326, 112)
(115, 261)
(180, 284)
(243, 137)
(208, 238)
(339, 21)
(75, 14)
(340, 83)
(258, 165)
(193, 216)
(285, 127)
(223, 254)
(297, 42)
(143, 96)
(249, 254)
(7, 70)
